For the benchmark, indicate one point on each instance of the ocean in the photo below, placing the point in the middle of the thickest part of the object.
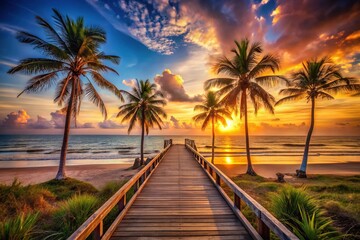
(44, 150)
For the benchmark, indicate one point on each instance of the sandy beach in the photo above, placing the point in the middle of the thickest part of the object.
(100, 174)
(270, 170)
(97, 175)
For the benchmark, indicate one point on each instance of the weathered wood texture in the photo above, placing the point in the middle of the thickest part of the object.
(266, 222)
(179, 202)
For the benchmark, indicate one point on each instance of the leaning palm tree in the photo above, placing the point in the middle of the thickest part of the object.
(73, 62)
(145, 107)
(317, 79)
(211, 109)
(244, 71)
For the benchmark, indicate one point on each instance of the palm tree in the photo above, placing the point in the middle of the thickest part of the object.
(72, 57)
(211, 109)
(317, 79)
(244, 72)
(145, 107)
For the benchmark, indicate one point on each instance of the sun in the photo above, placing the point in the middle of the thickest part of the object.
(229, 127)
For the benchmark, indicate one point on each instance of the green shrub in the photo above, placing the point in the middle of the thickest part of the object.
(20, 227)
(68, 187)
(313, 226)
(287, 202)
(72, 213)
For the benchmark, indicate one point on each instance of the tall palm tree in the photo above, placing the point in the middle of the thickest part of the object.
(145, 107)
(244, 71)
(73, 57)
(211, 109)
(317, 79)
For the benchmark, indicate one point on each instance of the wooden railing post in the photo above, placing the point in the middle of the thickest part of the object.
(217, 179)
(122, 203)
(99, 231)
(237, 201)
(262, 229)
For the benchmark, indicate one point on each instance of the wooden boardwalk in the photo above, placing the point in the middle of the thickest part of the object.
(180, 202)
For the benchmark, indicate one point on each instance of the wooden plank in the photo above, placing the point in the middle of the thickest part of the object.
(180, 201)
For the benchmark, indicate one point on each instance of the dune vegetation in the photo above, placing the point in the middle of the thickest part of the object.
(50, 210)
(334, 199)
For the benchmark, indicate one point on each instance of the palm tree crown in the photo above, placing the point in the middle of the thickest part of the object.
(317, 79)
(73, 63)
(211, 110)
(73, 57)
(144, 106)
(245, 72)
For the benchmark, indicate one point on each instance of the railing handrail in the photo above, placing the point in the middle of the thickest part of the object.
(262, 214)
(95, 221)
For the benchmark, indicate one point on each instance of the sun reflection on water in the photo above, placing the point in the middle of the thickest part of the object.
(228, 160)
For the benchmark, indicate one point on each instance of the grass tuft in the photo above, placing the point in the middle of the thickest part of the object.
(19, 227)
(72, 213)
(66, 188)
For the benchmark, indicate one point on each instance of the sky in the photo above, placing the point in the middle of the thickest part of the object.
(173, 43)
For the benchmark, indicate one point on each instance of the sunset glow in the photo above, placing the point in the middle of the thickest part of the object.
(175, 46)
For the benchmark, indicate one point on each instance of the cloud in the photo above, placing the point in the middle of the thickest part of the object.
(175, 122)
(180, 125)
(306, 32)
(129, 82)
(40, 123)
(110, 124)
(22, 119)
(172, 85)
(15, 119)
(160, 24)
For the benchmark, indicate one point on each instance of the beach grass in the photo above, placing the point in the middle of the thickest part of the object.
(60, 207)
(337, 196)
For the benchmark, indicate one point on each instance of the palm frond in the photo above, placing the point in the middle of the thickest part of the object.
(40, 82)
(38, 65)
(94, 97)
(218, 83)
(295, 97)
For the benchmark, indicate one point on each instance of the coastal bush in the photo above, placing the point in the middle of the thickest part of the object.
(313, 226)
(72, 213)
(16, 199)
(68, 187)
(286, 204)
(19, 227)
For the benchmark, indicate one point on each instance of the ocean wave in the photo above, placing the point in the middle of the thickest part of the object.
(303, 145)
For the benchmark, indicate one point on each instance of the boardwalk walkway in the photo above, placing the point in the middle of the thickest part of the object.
(179, 202)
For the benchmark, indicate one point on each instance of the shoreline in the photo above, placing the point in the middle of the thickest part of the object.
(99, 174)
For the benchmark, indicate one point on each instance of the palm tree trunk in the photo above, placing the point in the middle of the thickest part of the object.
(142, 137)
(250, 169)
(213, 140)
(302, 172)
(61, 172)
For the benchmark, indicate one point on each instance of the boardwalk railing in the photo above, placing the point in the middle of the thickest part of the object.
(94, 224)
(265, 220)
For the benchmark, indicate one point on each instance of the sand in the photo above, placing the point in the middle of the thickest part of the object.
(270, 170)
(97, 175)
